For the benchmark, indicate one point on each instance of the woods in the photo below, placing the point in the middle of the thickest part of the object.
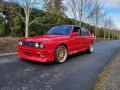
(26, 20)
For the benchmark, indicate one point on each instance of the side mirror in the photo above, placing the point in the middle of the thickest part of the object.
(73, 34)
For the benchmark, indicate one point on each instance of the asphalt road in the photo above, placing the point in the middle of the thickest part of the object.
(80, 72)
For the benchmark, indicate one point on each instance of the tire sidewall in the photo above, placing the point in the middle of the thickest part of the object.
(91, 48)
(56, 54)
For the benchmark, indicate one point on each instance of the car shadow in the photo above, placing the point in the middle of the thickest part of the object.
(36, 63)
(73, 56)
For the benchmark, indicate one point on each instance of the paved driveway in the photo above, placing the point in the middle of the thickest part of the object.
(80, 72)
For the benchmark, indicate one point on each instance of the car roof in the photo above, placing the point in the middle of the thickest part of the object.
(69, 25)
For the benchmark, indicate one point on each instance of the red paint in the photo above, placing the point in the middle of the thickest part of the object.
(74, 43)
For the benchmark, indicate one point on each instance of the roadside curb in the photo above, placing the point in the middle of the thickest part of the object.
(105, 72)
(6, 54)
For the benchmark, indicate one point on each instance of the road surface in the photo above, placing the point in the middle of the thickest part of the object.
(80, 72)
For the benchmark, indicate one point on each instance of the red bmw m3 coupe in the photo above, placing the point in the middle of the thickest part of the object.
(56, 44)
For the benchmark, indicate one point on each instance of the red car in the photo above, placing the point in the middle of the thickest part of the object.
(56, 45)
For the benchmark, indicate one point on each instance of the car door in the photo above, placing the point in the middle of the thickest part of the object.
(75, 41)
(85, 38)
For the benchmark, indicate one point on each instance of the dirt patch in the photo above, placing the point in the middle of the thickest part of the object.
(110, 77)
(8, 44)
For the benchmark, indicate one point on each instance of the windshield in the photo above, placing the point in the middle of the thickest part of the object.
(60, 30)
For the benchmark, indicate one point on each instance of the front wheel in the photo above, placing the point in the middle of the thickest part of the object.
(61, 54)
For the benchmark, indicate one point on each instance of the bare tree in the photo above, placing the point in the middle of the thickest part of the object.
(96, 14)
(27, 6)
(72, 9)
(105, 24)
(83, 7)
(78, 9)
(108, 25)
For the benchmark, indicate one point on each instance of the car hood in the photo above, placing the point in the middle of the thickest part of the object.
(45, 38)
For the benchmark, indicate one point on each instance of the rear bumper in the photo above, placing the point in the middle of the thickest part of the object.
(35, 54)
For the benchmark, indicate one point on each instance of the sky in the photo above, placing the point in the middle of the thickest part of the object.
(112, 7)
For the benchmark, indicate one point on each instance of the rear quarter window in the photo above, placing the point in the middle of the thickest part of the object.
(84, 32)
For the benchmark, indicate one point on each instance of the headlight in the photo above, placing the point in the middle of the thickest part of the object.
(20, 43)
(37, 45)
(41, 45)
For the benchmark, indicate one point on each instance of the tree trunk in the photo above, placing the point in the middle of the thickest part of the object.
(104, 35)
(75, 21)
(80, 21)
(112, 35)
(27, 25)
(109, 34)
(95, 31)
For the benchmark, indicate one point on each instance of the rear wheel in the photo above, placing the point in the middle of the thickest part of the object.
(90, 49)
(61, 54)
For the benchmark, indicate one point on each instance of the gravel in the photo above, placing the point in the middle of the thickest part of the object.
(110, 78)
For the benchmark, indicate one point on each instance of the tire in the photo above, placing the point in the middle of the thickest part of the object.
(90, 49)
(61, 54)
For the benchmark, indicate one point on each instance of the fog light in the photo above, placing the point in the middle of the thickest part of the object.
(42, 55)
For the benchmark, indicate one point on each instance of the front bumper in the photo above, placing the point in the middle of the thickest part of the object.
(35, 54)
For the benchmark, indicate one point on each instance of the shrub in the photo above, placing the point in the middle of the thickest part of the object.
(39, 29)
(2, 26)
(17, 27)
(16, 31)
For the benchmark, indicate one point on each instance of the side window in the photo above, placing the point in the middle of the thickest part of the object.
(76, 29)
(84, 32)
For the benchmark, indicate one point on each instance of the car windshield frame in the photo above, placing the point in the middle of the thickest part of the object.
(60, 30)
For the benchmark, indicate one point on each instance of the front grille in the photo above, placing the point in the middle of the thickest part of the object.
(29, 43)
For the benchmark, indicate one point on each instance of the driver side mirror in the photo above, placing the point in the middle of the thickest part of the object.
(73, 34)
